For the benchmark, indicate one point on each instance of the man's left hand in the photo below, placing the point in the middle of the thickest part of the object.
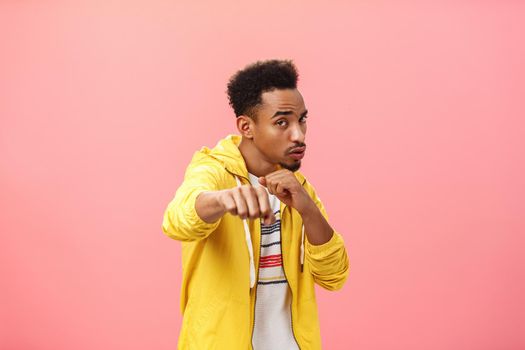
(284, 185)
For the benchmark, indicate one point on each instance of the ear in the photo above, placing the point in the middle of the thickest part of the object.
(245, 126)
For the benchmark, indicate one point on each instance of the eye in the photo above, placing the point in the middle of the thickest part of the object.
(303, 119)
(282, 122)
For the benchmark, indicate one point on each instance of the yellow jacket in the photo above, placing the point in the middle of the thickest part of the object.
(217, 301)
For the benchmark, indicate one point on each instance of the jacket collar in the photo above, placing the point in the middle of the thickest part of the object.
(227, 153)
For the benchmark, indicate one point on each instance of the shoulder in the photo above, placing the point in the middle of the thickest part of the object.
(203, 166)
(310, 189)
(307, 185)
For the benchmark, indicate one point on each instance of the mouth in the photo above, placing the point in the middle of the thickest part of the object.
(297, 153)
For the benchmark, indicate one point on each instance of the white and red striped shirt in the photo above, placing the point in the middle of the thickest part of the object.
(273, 321)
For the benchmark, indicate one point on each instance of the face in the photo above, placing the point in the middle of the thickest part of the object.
(280, 128)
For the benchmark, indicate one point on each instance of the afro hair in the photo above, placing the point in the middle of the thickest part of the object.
(247, 85)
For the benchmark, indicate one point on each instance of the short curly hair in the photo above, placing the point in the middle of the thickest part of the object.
(247, 85)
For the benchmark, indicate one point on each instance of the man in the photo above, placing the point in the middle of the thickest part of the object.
(255, 236)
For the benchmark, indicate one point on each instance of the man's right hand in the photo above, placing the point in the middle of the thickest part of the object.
(247, 202)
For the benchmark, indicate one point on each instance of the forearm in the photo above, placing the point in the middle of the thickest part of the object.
(325, 251)
(317, 229)
(208, 206)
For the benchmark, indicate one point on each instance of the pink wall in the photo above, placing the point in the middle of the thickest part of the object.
(416, 146)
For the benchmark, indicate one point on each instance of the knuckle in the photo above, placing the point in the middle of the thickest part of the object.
(252, 193)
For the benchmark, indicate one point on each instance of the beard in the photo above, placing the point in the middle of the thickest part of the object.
(292, 167)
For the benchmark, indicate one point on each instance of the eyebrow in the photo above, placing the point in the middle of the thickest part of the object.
(278, 113)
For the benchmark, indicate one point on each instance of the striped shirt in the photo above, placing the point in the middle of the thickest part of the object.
(273, 322)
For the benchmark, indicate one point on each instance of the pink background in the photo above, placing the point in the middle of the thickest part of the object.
(416, 146)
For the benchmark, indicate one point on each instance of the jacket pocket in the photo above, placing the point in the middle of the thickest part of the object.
(308, 328)
(202, 318)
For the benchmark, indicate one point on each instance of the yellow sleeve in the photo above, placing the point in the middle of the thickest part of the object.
(181, 221)
(329, 263)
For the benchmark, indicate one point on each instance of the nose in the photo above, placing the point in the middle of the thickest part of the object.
(297, 134)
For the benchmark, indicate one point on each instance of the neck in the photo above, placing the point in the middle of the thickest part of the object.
(255, 161)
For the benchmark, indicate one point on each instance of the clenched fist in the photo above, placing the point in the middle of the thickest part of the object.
(285, 186)
(247, 202)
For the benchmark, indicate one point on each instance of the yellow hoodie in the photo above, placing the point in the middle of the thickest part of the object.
(220, 260)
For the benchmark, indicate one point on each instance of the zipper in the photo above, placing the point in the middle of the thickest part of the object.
(255, 291)
(287, 283)
(284, 271)
(257, 271)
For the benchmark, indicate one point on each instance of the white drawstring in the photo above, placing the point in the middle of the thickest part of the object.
(249, 245)
(248, 239)
(302, 247)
